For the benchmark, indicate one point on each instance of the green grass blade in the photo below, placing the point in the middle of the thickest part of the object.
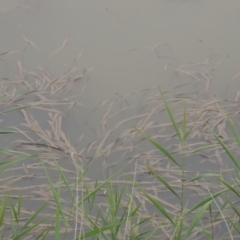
(57, 225)
(34, 215)
(6, 150)
(7, 131)
(119, 198)
(12, 224)
(143, 221)
(233, 129)
(196, 219)
(2, 210)
(207, 234)
(14, 109)
(221, 209)
(106, 223)
(19, 204)
(206, 200)
(234, 225)
(44, 233)
(161, 148)
(203, 148)
(124, 214)
(157, 205)
(55, 195)
(100, 186)
(65, 180)
(15, 92)
(184, 121)
(203, 175)
(232, 157)
(95, 226)
(229, 186)
(140, 236)
(163, 181)
(134, 211)
(99, 230)
(172, 118)
(185, 136)
(150, 235)
(14, 211)
(6, 164)
(234, 208)
(27, 230)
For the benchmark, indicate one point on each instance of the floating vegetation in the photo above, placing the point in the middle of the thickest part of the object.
(168, 170)
(156, 163)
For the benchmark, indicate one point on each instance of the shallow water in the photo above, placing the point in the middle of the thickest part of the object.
(125, 47)
(121, 41)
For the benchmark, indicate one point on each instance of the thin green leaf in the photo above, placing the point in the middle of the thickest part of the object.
(161, 148)
(203, 148)
(172, 117)
(140, 236)
(233, 130)
(2, 210)
(196, 219)
(234, 208)
(100, 186)
(19, 204)
(143, 221)
(207, 234)
(203, 175)
(232, 157)
(7, 132)
(234, 225)
(14, 212)
(57, 225)
(12, 224)
(119, 198)
(229, 186)
(27, 230)
(152, 233)
(134, 211)
(184, 121)
(157, 205)
(44, 232)
(15, 160)
(99, 230)
(163, 181)
(14, 109)
(54, 194)
(206, 200)
(187, 134)
(65, 180)
(34, 215)
(15, 92)
(221, 209)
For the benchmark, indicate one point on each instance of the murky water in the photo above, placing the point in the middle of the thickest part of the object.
(129, 43)
(122, 47)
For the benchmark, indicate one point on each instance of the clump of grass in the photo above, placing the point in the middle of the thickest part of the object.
(182, 225)
(119, 216)
(48, 190)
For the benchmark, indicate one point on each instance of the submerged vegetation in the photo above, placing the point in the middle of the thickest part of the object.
(166, 170)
